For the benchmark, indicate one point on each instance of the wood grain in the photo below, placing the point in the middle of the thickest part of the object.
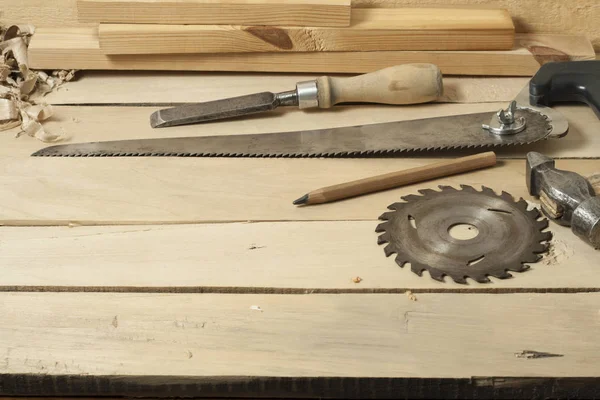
(268, 257)
(58, 191)
(298, 336)
(79, 48)
(211, 12)
(371, 30)
(137, 87)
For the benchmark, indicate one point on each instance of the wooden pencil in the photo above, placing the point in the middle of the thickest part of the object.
(398, 178)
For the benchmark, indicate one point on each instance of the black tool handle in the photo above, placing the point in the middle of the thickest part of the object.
(567, 81)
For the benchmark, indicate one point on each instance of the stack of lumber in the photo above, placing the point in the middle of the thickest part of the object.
(294, 36)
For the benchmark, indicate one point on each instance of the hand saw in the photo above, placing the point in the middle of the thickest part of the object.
(526, 120)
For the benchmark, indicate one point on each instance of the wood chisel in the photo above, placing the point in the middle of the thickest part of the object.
(401, 84)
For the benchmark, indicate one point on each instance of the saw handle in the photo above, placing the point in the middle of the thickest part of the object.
(567, 81)
(402, 84)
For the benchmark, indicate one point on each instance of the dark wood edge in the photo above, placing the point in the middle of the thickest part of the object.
(308, 387)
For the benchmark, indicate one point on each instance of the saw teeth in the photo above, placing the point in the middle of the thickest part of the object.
(501, 274)
(417, 268)
(410, 197)
(401, 260)
(427, 192)
(386, 216)
(396, 206)
(482, 269)
(446, 188)
(507, 196)
(389, 250)
(517, 267)
(480, 278)
(385, 238)
(546, 236)
(381, 227)
(541, 224)
(488, 191)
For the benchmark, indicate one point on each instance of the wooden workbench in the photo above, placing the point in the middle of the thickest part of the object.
(197, 277)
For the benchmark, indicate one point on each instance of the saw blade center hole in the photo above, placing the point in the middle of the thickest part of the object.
(463, 231)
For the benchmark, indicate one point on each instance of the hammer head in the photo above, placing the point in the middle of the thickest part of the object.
(536, 163)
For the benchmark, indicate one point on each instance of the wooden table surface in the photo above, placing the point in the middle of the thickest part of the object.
(197, 277)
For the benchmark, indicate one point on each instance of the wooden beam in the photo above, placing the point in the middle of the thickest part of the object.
(227, 12)
(269, 257)
(371, 30)
(79, 48)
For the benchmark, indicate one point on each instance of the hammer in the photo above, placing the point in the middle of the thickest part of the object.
(566, 197)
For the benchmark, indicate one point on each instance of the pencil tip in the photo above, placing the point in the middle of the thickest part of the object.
(301, 200)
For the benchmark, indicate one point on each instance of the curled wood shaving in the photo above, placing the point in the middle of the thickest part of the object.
(20, 88)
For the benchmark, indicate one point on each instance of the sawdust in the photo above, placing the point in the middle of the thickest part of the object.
(22, 90)
(357, 279)
(410, 295)
(558, 252)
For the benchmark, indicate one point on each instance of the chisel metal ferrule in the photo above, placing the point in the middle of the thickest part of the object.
(307, 94)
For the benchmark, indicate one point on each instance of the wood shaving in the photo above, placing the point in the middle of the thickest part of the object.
(357, 279)
(410, 295)
(21, 89)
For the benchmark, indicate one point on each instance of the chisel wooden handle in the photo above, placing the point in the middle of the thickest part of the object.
(399, 178)
(402, 84)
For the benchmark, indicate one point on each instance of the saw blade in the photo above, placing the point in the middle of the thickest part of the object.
(386, 139)
(507, 234)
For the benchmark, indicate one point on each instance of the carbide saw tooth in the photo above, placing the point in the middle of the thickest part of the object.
(427, 192)
(389, 250)
(541, 224)
(501, 274)
(417, 268)
(385, 238)
(447, 188)
(396, 206)
(480, 278)
(507, 196)
(386, 216)
(381, 227)
(436, 274)
(545, 236)
(488, 191)
(401, 259)
(411, 197)
(467, 188)
(518, 267)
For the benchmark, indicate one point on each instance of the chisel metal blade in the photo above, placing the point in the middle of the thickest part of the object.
(215, 110)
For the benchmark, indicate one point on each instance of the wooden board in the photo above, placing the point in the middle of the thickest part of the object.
(556, 18)
(79, 48)
(371, 30)
(268, 257)
(132, 87)
(229, 12)
(129, 341)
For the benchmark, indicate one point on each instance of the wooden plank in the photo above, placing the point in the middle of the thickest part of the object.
(291, 257)
(79, 48)
(120, 336)
(135, 87)
(371, 30)
(555, 18)
(211, 12)
(56, 191)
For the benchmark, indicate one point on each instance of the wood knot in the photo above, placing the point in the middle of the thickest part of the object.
(274, 36)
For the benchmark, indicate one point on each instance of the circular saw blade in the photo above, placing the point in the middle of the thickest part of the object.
(418, 232)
